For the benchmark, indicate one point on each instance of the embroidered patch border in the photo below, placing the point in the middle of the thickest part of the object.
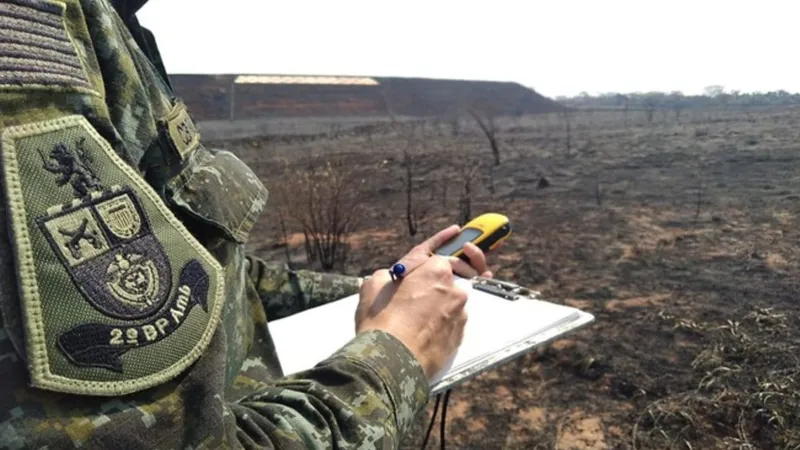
(103, 217)
(36, 50)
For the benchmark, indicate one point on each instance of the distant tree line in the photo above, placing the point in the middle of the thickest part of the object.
(712, 97)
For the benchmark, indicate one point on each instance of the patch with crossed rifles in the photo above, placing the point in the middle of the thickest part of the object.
(117, 296)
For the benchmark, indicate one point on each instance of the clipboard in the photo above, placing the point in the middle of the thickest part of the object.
(505, 321)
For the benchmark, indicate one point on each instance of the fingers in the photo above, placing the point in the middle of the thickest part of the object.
(374, 294)
(462, 268)
(438, 239)
(461, 323)
(476, 266)
(441, 268)
(380, 276)
(477, 263)
(477, 259)
(422, 252)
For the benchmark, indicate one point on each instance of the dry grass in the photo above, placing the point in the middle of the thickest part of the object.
(690, 266)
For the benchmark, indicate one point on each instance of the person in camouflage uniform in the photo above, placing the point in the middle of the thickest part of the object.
(131, 315)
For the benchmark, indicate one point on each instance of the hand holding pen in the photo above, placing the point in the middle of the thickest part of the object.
(426, 310)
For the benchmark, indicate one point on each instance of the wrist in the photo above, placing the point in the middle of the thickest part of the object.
(402, 376)
(411, 342)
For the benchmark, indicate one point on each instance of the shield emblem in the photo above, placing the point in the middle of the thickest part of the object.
(121, 216)
(111, 254)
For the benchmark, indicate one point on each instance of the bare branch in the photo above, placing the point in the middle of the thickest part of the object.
(324, 200)
(489, 127)
(413, 212)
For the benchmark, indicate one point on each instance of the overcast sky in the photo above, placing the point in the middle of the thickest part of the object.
(557, 47)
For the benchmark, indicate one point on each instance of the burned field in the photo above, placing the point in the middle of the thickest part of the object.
(680, 236)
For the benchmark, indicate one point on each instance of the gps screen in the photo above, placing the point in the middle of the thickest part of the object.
(455, 244)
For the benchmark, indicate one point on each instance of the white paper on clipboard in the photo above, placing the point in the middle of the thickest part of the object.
(498, 329)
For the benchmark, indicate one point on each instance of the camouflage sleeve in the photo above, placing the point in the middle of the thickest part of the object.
(364, 396)
(285, 292)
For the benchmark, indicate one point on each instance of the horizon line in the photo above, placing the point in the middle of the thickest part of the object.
(475, 80)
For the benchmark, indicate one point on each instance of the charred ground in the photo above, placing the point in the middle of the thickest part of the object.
(680, 236)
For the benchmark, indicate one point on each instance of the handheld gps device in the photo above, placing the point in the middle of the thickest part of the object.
(486, 231)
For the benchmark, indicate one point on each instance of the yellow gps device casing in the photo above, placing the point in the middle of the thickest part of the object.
(486, 231)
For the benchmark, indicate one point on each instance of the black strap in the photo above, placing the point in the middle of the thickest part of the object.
(127, 9)
(147, 42)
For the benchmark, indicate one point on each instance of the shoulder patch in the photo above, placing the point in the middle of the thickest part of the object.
(117, 296)
(36, 50)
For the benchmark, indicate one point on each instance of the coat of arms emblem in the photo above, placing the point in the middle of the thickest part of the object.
(107, 246)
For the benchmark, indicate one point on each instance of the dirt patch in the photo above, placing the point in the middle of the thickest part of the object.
(775, 261)
(532, 417)
(580, 304)
(580, 432)
(562, 344)
(636, 302)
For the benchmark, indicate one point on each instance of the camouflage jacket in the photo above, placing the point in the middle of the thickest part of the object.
(131, 315)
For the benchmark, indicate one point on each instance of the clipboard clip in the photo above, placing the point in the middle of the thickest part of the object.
(504, 289)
